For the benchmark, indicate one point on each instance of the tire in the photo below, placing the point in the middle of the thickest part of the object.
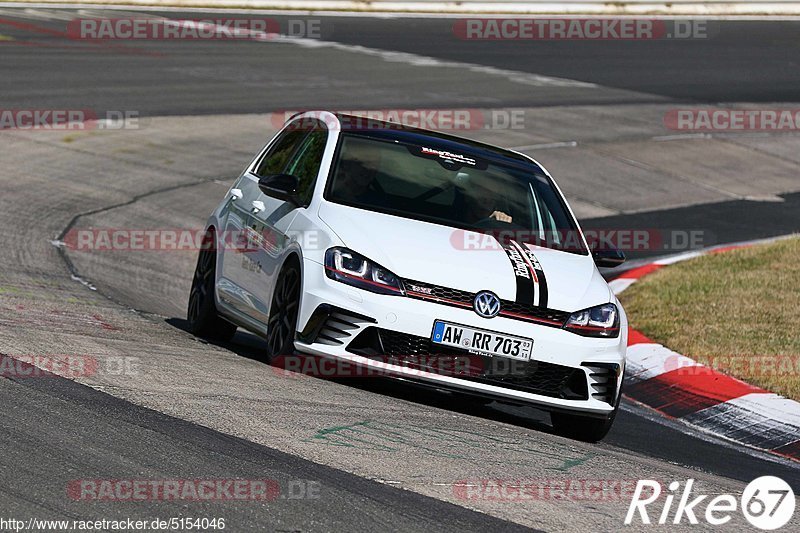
(202, 315)
(587, 429)
(282, 322)
(583, 428)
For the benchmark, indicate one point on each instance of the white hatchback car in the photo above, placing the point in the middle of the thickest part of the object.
(395, 247)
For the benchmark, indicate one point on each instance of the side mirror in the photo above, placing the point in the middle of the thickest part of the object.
(280, 186)
(608, 257)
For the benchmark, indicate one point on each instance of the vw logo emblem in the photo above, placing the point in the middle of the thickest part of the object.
(486, 304)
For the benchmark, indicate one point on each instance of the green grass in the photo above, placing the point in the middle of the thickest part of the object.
(738, 312)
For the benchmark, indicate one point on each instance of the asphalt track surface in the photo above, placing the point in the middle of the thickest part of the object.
(202, 411)
(73, 414)
(739, 61)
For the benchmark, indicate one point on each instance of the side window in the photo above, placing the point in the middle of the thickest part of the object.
(306, 162)
(275, 161)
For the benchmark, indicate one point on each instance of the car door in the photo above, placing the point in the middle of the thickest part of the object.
(241, 263)
(271, 225)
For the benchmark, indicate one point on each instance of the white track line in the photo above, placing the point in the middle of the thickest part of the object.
(377, 13)
(515, 76)
(416, 60)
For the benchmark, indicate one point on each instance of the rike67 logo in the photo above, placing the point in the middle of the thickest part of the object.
(767, 503)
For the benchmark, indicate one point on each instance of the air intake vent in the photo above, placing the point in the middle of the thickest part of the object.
(603, 380)
(337, 327)
(332, 325)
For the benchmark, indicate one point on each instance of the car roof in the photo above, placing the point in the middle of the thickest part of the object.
(381, 129)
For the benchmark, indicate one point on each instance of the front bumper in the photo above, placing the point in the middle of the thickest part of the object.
(333, 315)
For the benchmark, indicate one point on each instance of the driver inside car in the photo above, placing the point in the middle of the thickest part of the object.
(481, 204)
(357, 176)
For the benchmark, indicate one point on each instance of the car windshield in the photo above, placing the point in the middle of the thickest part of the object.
(458, 190)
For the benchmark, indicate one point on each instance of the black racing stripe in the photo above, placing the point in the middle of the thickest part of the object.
(542, 287)
(537, 268)
(525, 287)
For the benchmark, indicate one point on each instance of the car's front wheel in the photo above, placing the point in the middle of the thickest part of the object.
(583, 427)
(282, 322)
(204, 320)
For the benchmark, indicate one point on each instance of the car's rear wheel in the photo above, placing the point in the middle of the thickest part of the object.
(282, 322)
(204, 320)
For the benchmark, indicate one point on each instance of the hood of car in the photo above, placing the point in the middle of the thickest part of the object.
(463, 260)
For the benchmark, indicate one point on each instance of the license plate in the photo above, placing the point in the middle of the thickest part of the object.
(481, 341)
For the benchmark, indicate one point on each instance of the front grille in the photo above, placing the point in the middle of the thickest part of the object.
(537, 377)
(464, 299)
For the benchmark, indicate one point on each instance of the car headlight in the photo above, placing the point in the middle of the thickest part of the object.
(598, 321)
(354, 269)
